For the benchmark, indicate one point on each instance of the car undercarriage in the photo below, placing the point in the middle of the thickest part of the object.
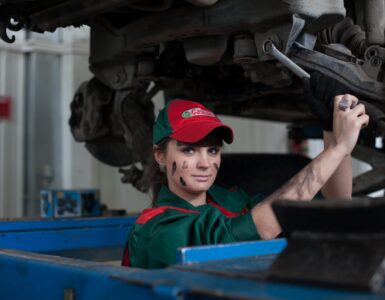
(211, 51)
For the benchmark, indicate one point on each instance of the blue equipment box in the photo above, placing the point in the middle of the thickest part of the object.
(70, 203)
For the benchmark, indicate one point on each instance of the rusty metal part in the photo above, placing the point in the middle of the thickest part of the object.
(253, 63)
(116, 75)
(346, 33)
(49, 15)
(274, 75)
(348, 74)
(87, 120)
(136, 117)
(340, 52)
(110, 122)
(225, 18)
(374, 179)
(135, 176)
(374, 62)
(134, 111)
(205, 50)
(93, 123)
(375, 22)
(377, 117)
(191, 25)
(375, 52)
(245, 51)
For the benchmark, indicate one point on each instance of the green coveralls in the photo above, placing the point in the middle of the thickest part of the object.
(174, 223)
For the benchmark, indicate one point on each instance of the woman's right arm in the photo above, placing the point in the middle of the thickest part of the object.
(305, 185)
(340, 184)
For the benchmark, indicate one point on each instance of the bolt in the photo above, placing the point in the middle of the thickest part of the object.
(375, 61)
(267, 46)
(371, 52)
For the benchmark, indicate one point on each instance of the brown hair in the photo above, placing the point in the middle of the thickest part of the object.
(159, 178)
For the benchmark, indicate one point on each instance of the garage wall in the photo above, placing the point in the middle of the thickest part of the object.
(256, 136)
(12, 73)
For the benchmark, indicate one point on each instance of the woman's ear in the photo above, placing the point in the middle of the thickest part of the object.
(159, 156)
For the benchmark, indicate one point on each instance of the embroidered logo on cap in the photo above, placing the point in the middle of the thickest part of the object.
(196, 112)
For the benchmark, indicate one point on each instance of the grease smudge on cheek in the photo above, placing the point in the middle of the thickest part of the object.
(173, 168)
(182, 182)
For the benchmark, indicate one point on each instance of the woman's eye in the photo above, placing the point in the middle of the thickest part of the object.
(214, 150)
(188, 150)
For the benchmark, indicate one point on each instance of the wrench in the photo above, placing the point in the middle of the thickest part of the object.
(376, 114)
(270, 49)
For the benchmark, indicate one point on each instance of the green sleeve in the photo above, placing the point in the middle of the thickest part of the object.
(236, 199)
(154, 244)
(250, 202)
(256, 199)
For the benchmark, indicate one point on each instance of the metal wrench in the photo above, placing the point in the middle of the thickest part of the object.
(374, 113)
(270, 49)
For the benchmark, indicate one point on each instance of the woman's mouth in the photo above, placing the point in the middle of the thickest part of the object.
(201, 178)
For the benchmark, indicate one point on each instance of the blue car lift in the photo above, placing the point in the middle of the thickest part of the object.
(78, 259)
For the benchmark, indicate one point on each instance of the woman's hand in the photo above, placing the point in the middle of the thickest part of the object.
(348, 119)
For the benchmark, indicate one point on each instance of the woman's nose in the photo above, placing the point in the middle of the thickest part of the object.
(203, 161)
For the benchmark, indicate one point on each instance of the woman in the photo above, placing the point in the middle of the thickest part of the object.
(189, 210)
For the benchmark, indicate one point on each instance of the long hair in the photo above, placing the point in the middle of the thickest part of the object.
(159, 177)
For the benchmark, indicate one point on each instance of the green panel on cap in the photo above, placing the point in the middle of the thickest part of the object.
(162, 128)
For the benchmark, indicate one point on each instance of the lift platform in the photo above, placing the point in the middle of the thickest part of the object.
(80, 259)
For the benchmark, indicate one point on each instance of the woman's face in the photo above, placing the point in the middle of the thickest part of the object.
(190, 169)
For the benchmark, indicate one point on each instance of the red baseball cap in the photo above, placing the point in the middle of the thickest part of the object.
(189, 122)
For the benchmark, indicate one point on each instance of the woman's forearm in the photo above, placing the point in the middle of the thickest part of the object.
(302, 187)
(347, 123)
(339, 185)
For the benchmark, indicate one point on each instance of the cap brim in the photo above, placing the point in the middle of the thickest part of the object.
(196, 131)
